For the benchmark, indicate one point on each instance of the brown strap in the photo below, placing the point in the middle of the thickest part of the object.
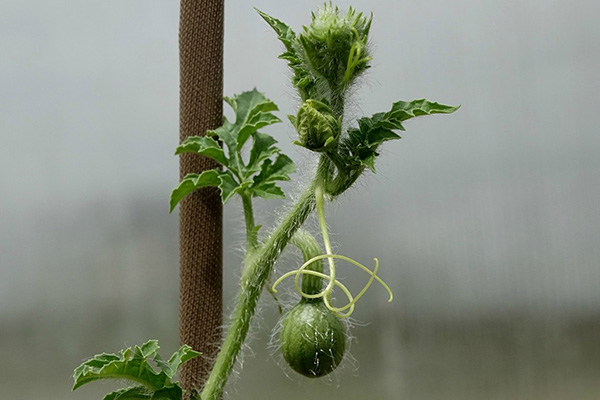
(201, 214)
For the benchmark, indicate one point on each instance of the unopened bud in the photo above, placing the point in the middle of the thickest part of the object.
(318, 129)
(335, 45)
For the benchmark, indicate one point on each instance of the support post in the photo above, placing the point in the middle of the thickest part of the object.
(201, 215)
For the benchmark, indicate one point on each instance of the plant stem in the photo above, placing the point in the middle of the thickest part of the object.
(310, 248)
(251, 237)
(254, 276)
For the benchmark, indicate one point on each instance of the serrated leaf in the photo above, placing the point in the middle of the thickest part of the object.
(268, 190)
(141, 393)
(254, 123)
(228, 185)
(224, 180)
(204, 145)
(192, 182)
(168, 393)
(263, 184)
(402, 110)
(132, 393)
(276, 171)
(185, 353)
(292, 119)
(284, 33)
(126, 364)
(301, 79)
(263, 148)
(146, 350)
(377, 136)
(359, 147)
(252, 112)
(132, 365)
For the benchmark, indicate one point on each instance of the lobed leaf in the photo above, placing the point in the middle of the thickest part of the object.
(224, 180)
(268, 190)
(191, 182)
(302, 80)
(252, 112)
(402, 110)
(284, 33)
(359, 148)
(168, 393)
(203, 145)
(127, 364)
(132, 393)
(263, 184)
(229, 186)
(185, 353)
(132, 365)
(263, 148)
(254, 123)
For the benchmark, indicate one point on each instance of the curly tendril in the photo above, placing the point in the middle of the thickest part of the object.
(325, 294)
(331, 279)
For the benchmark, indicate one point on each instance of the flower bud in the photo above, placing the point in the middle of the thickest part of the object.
(335, 46)
(318, 129)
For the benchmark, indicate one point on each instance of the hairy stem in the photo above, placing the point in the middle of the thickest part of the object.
(310, 248)
(251, 236)
(258, 267)
(254, 276)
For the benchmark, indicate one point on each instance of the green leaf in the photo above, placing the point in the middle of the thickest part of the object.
(254, 123)
(359, 148)
(276, 171)
(146, 350)
(268, 190)
(284, 33)
(141, 393)
(132, 365)
(263, 184)
(263, 148)
(127, 364)
(402, 110)
(224, 180)
(252, 112)
(302, 79)
(168, 393)
(132, 393)
(185, 353)
(292, 119)
(204, 145)
(229, 186)
(192, 182)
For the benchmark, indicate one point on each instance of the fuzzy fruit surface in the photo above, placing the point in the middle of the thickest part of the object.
(313, 339)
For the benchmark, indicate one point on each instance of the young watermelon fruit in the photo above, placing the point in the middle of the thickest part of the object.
(313, 339)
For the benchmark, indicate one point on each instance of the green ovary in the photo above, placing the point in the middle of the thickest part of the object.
(313, 339)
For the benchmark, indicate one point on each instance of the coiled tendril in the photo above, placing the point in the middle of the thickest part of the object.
(331, 279)
(332, 282)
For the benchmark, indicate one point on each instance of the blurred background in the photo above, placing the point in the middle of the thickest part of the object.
(486, 222)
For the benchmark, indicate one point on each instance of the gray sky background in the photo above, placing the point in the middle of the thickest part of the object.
(494, 208)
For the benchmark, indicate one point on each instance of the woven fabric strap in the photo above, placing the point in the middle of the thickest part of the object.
(201, 214)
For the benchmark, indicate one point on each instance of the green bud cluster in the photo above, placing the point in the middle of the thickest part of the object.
(334, 46)
(318, 129)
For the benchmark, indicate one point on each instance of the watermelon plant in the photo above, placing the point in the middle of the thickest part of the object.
(327, 59)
